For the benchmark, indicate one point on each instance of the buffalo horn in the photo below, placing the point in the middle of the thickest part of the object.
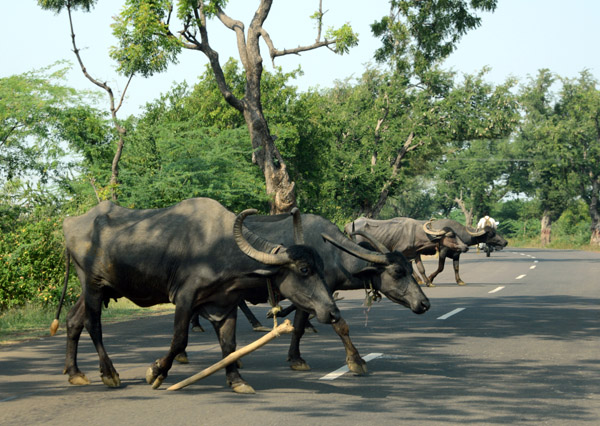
(476, 233)
(364, 254)
(244, 245)
(298, 232)
(436, 233)
(371, 239)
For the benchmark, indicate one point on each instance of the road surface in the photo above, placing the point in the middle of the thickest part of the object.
(519, 344)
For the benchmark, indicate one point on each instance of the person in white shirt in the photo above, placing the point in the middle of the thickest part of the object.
(487, 221)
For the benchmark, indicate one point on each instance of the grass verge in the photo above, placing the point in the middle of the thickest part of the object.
(31, 321)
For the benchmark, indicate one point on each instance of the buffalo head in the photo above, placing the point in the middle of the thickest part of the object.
(297, 271)
(446, 237)
(390, 272)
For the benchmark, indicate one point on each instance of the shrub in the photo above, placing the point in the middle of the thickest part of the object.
(32, 261)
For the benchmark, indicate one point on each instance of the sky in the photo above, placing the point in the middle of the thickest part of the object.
(518, 39)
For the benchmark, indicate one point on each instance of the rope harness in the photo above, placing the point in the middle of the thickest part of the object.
(273, 296)
(371, 295)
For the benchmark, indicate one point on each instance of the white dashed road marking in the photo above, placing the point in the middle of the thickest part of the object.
(343, 370)
(449, 314)
(520, 276)
(497, 289)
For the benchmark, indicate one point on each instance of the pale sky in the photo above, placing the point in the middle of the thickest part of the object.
(519, 38)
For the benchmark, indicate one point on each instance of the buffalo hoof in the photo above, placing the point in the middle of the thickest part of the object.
(244, 388)
(79, 380)
(430, 285)
(358, 368)
(299, 365)
(153, 380)
(261, 328)
(461, 282)
(198, 329)
(182, 358)
(112, 381)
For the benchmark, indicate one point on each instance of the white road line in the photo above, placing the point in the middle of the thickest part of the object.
(532, 267)
(497, 289)
(449, 314)
(520, 276)
(343, 370)
(535, 261)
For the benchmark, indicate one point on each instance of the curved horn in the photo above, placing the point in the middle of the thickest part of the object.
(353, 231)
(476, 233)
(244, 245)
(435, 233)
(364, 254)
(371, 239)
(298, 232)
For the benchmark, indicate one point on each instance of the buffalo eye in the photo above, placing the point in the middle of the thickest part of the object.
(400, 272)
(304, 270)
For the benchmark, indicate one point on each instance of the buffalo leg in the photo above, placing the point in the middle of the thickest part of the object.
(286, 311)
(196, 323)
(256, 325)
(75, 319)
(455, 259)
(355, 363)
(225, 330)
(159, 370)
(441, 261)
(294, 358)
(421, 269)
(93, 312)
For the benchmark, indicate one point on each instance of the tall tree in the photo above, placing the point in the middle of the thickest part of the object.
(416, 36)
(114, 104)
(543, 142)
(579, 131)
(147, 30)
(36, 108)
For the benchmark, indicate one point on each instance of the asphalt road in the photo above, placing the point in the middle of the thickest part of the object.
(519, 344)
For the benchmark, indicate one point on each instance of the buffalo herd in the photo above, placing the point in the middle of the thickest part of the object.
(207, 261)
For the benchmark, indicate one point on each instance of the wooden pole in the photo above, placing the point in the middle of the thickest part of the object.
(284, 328)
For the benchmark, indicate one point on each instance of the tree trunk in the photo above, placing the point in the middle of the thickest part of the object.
(373, 211)
(278, 184)
(546, 229)
(595, 213)
(467, 212)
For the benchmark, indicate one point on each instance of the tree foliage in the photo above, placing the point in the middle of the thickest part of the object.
(419, 33)
(33, 107)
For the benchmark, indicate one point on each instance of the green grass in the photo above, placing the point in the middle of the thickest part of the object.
(32, 321)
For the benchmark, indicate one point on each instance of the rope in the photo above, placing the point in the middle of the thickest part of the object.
(275, 307)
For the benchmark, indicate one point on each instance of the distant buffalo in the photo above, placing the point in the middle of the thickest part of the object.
(411, 237)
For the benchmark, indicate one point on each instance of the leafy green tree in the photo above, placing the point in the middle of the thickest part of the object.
(147, 44)
(417, 34)
(543, 142)
(408, 113)
(31, 107)
(114, 104)
(579, 133)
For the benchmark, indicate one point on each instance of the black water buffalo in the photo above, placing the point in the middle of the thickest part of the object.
(487, 235)
(348, 266)
(411, 237)
(195, 255)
